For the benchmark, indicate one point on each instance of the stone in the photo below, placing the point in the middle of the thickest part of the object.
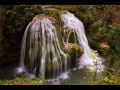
(74, 51)
(70, 47)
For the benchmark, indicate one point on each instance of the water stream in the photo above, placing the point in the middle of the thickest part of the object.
(89, 59)
(41, 54)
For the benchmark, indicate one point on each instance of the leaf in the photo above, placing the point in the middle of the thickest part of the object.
(106, 79)
(110, 81)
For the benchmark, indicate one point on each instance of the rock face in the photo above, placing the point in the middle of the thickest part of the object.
(74, 51)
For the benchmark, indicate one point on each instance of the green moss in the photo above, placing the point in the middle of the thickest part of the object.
(23, 81)
(56, 6)
(73, 38)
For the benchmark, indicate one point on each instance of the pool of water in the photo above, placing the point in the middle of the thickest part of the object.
(8, 72)
(73, 77)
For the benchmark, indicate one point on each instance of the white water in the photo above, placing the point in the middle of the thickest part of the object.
(89, 58)
(40, 46)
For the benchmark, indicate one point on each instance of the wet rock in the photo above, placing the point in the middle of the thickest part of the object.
(74, 51)
(73, 48)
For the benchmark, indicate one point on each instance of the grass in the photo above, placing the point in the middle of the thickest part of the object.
(23, 81)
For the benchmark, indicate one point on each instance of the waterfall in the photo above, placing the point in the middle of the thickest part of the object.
(41, 54)
(89, 59)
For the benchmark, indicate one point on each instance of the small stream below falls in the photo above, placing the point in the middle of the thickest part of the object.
(8, 72)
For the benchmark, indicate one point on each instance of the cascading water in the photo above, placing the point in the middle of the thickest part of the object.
(40, 52)
(88, 59)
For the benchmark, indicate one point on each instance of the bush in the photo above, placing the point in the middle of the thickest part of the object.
(18, 17)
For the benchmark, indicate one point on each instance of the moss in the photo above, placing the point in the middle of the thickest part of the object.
(55, 14)
(65, 7)
(23, 81)
(73, 38)
(58, 27)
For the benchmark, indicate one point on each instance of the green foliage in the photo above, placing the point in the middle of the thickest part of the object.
(17, 17)
(86, 15)
(99, 7)
(56, 6)
(112, 79)
(106, 79)
(23, 81)
(113, 36)
(73, 38)
(99, 25)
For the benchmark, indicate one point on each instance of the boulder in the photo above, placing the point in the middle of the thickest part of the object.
(73, 48)
(74, 51)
